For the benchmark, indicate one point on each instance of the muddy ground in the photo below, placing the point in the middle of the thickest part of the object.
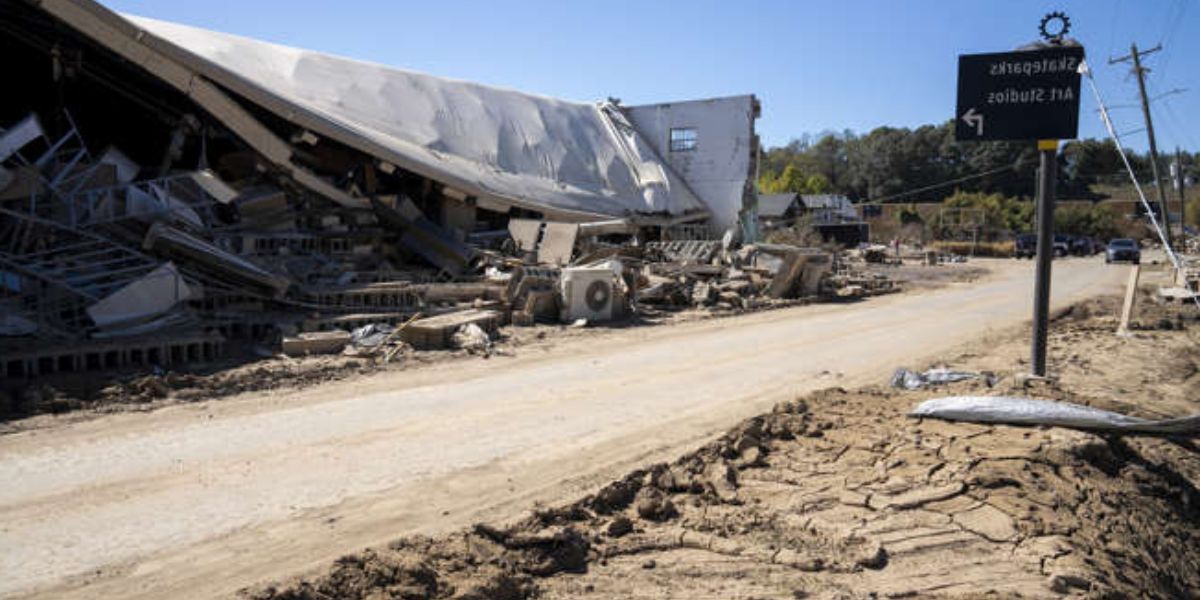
(840, 495)
(86, 395)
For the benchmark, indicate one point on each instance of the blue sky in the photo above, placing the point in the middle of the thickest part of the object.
(816, 66)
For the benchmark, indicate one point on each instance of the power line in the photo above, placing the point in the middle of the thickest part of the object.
(1178, 127)
(1178, 9)
(1162, 101)
(944, 184)
(1112, 32)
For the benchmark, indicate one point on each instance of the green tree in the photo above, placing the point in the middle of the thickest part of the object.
(999, 211)
(1095, 221)
(911, 165)
(816, 184)
(792, 180)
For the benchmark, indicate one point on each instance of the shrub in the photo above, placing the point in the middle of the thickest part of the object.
(985, 249)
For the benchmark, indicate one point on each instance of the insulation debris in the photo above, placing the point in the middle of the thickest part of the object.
(1030, 411)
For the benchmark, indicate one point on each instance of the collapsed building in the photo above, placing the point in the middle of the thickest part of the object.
(165, 189)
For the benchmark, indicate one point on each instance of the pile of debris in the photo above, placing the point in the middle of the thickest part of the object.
(103, 256)
(710, 274)
(99, 250)
(177, 195)
(1185, 285)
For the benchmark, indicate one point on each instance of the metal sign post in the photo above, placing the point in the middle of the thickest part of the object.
(1029, 94)
(1047, 173)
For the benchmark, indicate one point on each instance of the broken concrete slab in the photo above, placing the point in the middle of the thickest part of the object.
(437, 333)
(525, 233)
(316, 342)
(154, 293)
(558, 243)
(783, 285)
(424, 237)
(799, 271)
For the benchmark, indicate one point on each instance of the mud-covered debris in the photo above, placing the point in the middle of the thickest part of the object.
(617, 495)
(364, 576)
(619, 526)
(722, 480)
(501, 586)
(675, 479)
(653, 504)
(1065, 583)
(542, 553)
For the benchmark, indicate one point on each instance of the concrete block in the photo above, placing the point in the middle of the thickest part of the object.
(316, 342)
(434, 333)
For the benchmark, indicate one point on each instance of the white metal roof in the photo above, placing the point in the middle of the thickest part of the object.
(498, 144)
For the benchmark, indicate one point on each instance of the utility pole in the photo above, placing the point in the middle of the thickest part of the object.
(1179, 183)
(1136, 57)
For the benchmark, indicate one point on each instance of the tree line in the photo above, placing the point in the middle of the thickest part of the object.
(926, 164)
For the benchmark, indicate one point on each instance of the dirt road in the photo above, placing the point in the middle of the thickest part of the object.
(200, 500)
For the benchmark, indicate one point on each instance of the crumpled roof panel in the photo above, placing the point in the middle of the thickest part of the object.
(510, 146)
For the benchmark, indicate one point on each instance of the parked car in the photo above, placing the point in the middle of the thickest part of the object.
(1123, 249)
(1062, 245)
(1025, 246)
(1084, 246)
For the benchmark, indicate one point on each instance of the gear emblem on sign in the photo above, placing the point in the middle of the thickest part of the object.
(1064, 25)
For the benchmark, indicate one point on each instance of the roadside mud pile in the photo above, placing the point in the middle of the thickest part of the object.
(841, 495)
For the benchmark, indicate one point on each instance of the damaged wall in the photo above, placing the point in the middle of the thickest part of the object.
(718, 165)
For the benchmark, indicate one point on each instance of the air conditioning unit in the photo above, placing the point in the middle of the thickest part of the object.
(590, 292)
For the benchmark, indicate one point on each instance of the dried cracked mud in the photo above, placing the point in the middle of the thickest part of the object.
(840, 495)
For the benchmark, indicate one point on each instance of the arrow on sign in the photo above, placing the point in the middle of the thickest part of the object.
(972, 118)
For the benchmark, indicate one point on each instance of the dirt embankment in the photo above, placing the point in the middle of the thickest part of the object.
(840, 495)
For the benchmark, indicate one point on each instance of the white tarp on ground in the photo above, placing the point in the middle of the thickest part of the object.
(497, 144)
(1029, 411)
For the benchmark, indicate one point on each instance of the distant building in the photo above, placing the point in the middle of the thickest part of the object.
(775, 210)
(832, 215)
(829, 209)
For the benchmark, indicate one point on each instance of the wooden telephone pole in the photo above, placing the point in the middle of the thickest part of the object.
(1136, 57)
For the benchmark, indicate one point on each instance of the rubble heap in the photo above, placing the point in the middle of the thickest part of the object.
(120, 259)
(170, 196)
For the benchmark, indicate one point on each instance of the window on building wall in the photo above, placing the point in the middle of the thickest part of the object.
(683, 139)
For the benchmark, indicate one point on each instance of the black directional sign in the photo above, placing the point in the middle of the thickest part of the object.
(1025, 95)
